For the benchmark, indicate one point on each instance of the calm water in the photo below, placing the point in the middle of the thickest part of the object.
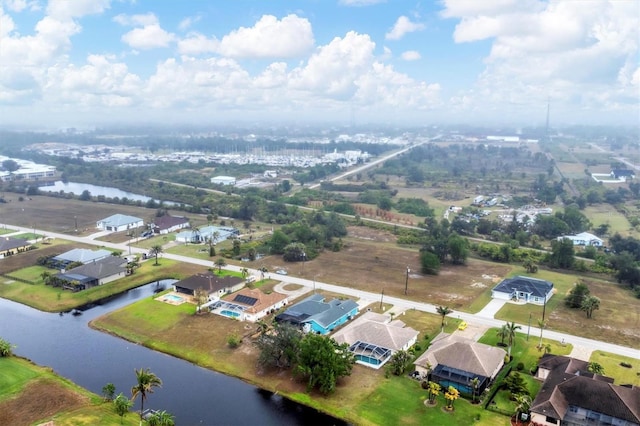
(96, 190)
(195, 396)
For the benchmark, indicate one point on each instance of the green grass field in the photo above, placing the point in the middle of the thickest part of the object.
(612, 368)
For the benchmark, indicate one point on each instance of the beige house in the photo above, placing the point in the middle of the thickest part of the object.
(373, 338)
(249, 304)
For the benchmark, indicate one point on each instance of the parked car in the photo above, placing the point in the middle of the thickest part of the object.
(281, 272)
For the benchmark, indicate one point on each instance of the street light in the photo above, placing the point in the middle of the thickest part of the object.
(304, 258)
(529, 328)
(406, 281)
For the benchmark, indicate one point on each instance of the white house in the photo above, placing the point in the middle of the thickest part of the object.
(524, 289)
(583, 239)
(119, 222)
(223, 180)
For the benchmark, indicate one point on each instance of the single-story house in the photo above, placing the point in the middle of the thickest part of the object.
(223, 180)
(83, 256)
(167, 223)
(583, 239)
(313, 314)
(215, 285)
(527, 289)
(10, 245)
(95, 273)
(249, 304)
(119, 222)
(571, 395)
(456, 361)
(204, 234)
(373, 338)
(623, 174)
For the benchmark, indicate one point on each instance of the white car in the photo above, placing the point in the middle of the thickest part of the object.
(281, 272)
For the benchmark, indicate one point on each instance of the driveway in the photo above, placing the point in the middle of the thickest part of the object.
(492, 308)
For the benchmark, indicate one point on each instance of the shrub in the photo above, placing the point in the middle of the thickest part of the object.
(626, 365)
(6, 348)
(520, 366)
(233, 340)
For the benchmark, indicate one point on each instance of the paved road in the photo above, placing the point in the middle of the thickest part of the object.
(399, 303)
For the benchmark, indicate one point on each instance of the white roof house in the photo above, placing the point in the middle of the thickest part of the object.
(119, 222)
(583, 239)
(223, 180)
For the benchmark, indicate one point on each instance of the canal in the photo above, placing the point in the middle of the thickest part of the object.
(194, 395)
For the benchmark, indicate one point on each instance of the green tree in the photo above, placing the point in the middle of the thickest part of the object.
(578, 293)
(201, 297)
(562, 254)
(244, 272)
(278, 242)
(523, 404)
(458, 248)
(295, 252)
(160, 418)
(6, 348)
(122, 405)
(511, 334)
(220, 263)
(595, 368)
(46, 277)
(475, 384)
(443, 311)
(278, 349)
(451, 395)
(590, 304)
(321, 362)
(515, 384)
(502, 333)
(430, 264)
(399, 362)
(146, 382)
(434, 391)
(108, 391)
(155, 251)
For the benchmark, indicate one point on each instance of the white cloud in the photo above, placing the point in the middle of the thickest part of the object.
(402, 27)
(411, 55)
(148, 37)
(66, 9)
(196, 44)
(136, 20)
(186, 23)
(576, 52)
(269, 38)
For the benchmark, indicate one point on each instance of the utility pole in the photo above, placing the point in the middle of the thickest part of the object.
(529, 328)
(381, 297)
(406, 282)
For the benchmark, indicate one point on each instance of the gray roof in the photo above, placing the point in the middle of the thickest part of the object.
(376, 329)
(314, 308)
(118, 220)
(463, 354)
(168, 221)
(209, 281)
(83, 255)
(10, 243)
(533, 286)
(569, 384)
(102, 268)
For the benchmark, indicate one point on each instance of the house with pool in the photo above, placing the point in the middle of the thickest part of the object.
(314, 314)
(249, 304)
(373, 338)
(456, 361)
(215, 285)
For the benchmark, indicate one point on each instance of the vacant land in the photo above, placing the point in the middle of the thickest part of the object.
(30, 394)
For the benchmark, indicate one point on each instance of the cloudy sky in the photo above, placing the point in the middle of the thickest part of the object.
(89, 62)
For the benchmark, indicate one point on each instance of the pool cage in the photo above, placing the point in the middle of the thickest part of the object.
(459, 379)
(370, 354)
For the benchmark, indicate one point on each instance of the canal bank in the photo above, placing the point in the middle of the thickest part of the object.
(91, 359)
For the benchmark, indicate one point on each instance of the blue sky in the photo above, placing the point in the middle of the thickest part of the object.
(497, 62)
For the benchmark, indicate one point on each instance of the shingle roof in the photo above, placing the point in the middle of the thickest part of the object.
(118, 220)
(83, 255)
(102, 268)
(533, 286)
(568, 383)
(168, 221)
(314, 308)
(9, 243)
(262, 301)
(376, 329)
(209, 281)
(463, 354)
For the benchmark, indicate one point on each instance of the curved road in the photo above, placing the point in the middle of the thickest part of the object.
(589, 344)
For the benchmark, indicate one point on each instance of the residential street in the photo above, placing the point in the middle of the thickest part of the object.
(483, 318)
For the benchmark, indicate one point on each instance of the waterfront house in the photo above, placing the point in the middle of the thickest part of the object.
(249, 304)
(313, 314)
(215, 285)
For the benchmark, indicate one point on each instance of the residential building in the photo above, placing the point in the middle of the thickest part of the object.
(215, 285)
(167, 223)
(223, 180)
(204, 234)
(373, 338)
(95, 273)
(456, 361)
(83, 256)
(10, 246)
(119, 222)
(623, 174)
(249, 304)
(572, 396)
(524, 289)
(315, 315)
(583, 239)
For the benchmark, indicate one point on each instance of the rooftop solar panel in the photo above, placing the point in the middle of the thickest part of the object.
(246, 300)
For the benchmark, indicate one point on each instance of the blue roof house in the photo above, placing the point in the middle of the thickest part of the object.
(313, 314)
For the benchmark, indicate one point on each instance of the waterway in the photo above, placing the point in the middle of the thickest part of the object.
(194, 395)
(96, 190)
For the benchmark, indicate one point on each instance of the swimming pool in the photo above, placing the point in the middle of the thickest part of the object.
(229, 314)
(173, 298)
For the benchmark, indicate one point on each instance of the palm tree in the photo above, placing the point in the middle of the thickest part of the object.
(595, 368)
(590, 304)
(523, 402)
(511, 334)
(161, 418)
(244, 272)
(155, 251)
(475, 384)
(220, 263)
(122, 405)
(502, 333)
(201, 296)
(542, 324)
(46, 277)
(146, 382)
(443, 311)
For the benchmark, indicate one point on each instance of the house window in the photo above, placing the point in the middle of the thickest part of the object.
(551, 420)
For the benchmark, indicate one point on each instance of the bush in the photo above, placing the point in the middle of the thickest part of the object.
(6, 348)
(520, 366)
(233, 340)
(626, 365)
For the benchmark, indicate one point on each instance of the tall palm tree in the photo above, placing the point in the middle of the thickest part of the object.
(511, 334)
(502, 333)
(146, 382)
(443, 311)
(542, 325)
(244, 272)
(46, 277)
(475, 384)
(155, 251)
(220, 263)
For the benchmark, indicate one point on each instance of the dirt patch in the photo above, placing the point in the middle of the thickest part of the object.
(39, 400)
(29, 258)
(369, 234)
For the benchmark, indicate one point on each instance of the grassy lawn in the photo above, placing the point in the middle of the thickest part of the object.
(617, 320)
(31, 395)
(502, 400)
(526, 351)
(50, 299)
(604, 214)
(400, 401)
(32, 273)
(612, 368)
